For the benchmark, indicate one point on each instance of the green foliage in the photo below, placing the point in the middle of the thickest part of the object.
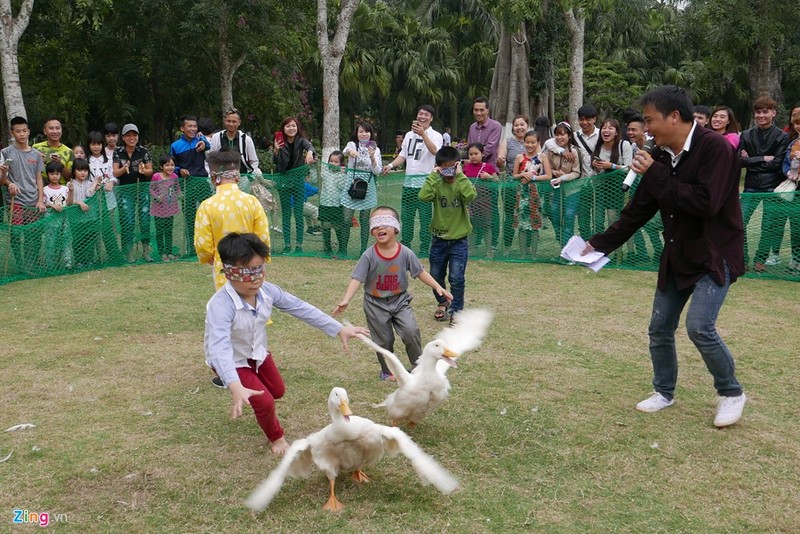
(148, 61)
(610, 85)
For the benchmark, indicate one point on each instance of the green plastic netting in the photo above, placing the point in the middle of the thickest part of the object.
(510, 223)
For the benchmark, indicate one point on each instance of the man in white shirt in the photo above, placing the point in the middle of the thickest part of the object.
(587, 137)
(419, 153)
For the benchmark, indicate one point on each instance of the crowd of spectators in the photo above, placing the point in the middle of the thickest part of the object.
(532, 178)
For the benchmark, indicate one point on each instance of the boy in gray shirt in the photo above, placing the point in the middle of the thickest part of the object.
(20, 171)
(383, 269)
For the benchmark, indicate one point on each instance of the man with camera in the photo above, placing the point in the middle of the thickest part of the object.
(419, 153)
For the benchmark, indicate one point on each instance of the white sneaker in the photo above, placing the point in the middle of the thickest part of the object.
(729, 410)
(773, 259)
(654, 403)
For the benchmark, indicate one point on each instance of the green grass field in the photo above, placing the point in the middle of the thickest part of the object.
(540, 428)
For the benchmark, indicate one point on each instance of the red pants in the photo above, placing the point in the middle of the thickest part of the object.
(268, 380)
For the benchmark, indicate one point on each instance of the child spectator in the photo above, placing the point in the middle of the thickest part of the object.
(483, 175)
(311, 211)
(164, 193)
(55, 199)
(451, 192)
(101, 171)
(111, 138)
(387, 303)
(529, 167)
(83, 226)
(236, 338)
(55, 194)
(79, 151)
(330, 204)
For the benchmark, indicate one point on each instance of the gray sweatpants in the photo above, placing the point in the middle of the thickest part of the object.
(387, 315)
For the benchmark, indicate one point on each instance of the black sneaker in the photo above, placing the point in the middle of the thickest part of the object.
(217, 381)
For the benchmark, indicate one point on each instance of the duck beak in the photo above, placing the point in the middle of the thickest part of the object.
(450, 357)
(345, 409)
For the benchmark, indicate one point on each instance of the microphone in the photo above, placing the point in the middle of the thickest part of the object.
(648, 147)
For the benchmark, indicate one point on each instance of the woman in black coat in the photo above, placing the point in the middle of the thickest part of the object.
(291, 151)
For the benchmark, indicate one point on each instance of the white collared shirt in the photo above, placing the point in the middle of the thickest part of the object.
(235, 330)
(591, 141)
(687, 145)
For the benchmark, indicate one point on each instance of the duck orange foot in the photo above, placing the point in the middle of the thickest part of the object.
(359, 476)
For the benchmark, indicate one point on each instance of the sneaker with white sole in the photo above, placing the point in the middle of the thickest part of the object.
(654, 403)
(217, 381)
(729, 410)
(773, 259)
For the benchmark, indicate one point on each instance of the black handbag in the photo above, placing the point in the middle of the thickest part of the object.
(358, 186)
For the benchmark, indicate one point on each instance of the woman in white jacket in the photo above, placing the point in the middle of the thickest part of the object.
(363, 163)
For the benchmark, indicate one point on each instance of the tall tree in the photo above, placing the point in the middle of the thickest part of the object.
(576, 23)
(12, 29)
(331, 52)
(510, 94)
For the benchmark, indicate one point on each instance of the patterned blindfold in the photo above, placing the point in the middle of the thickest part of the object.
(225, 175)
(376, 221)
(243, 274)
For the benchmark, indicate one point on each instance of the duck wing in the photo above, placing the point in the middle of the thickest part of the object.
(296, 462)
(428, 470)
(468, 330)
(392, 361)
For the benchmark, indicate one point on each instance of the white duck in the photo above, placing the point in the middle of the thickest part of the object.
(348, 444)
(422, 390)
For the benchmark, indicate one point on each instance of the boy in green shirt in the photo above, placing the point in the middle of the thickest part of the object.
(451, 192)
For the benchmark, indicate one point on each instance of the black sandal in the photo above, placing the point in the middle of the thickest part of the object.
(441, 312)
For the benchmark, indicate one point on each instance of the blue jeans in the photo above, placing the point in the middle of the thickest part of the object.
(707, 299)
(450, 255)
(564, 222)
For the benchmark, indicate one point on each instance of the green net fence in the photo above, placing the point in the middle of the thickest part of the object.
(312, 213)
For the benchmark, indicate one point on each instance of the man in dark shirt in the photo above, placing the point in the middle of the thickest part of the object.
(762, 150)
(693, 178)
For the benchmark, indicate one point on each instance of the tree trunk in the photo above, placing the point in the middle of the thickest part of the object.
(501, 79)
(11, 30)
(551, 91)
(510, 93)
(227, 68)
(764, 74)
(331, 53)
(576, 23)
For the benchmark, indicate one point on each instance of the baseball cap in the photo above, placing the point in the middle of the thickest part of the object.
(129, 128)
